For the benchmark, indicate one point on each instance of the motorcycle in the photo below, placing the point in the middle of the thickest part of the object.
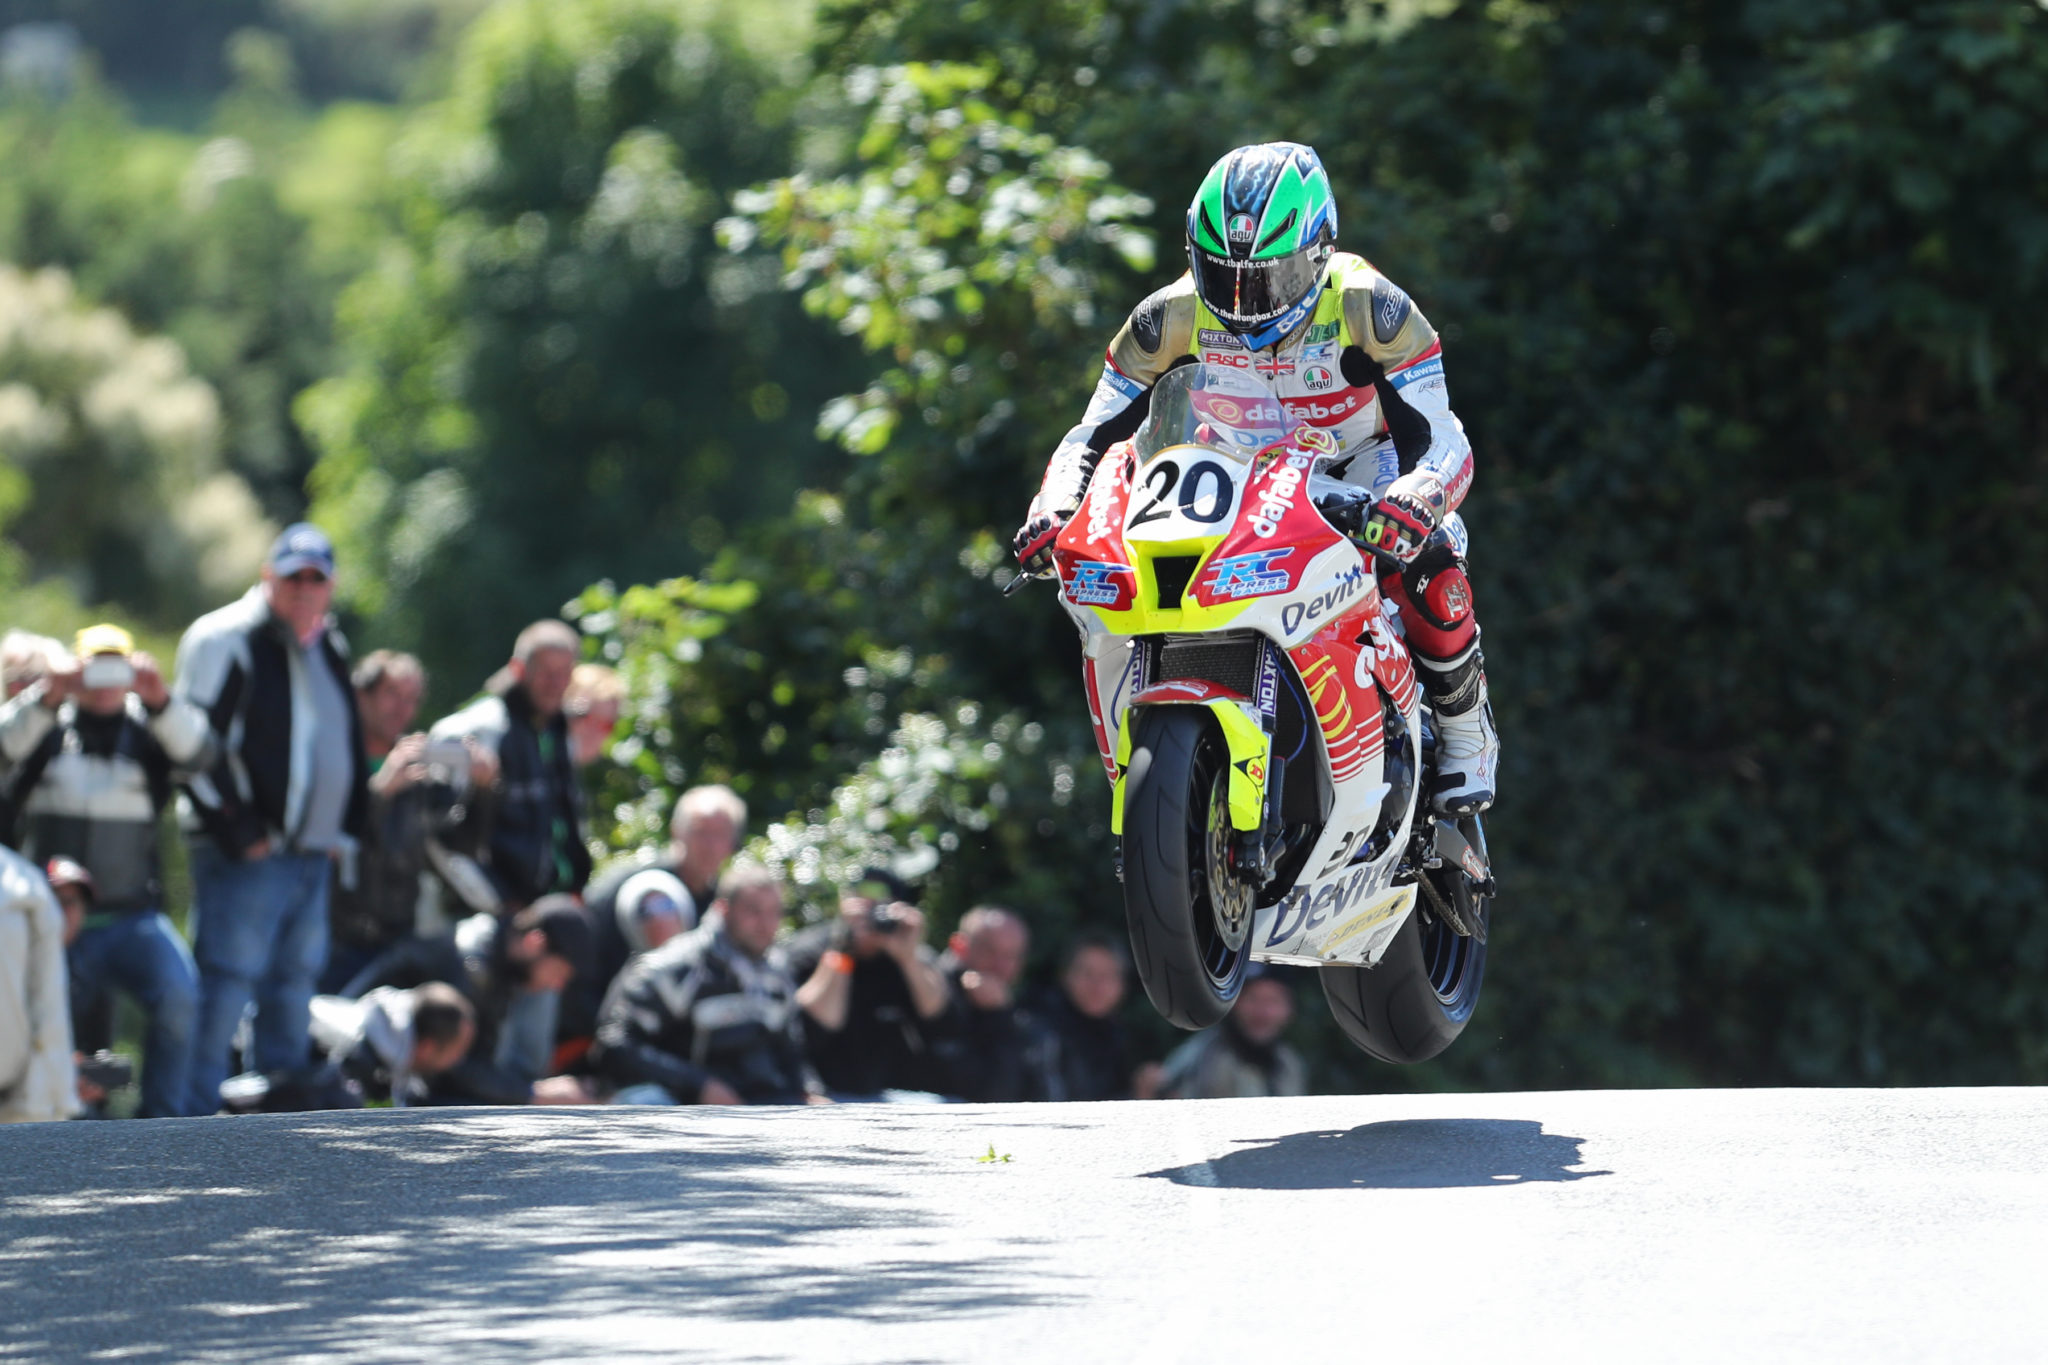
(1264, 734)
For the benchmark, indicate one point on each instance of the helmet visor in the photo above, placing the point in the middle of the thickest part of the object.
(1246, 295)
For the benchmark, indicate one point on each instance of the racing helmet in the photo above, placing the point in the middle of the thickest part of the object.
(1261, 231)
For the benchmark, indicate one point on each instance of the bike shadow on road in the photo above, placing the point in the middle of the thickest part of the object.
(1401, 1154)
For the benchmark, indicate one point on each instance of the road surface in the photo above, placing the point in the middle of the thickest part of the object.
(1845, 1225)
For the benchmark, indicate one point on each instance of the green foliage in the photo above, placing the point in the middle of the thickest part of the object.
(541, 367)
(110, 469)
(192, 237)
(1740, 302)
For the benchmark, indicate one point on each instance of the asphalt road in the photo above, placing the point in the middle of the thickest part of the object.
(1906, 1225)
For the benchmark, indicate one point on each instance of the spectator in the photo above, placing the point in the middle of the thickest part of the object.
(93, 750)
(985, 1049)
(709, 1018)
(391, 1043)
(593, 704)
(282, 803)
(706, 827)
(512, 972)
(532, 841)
(872, 995)
(1242, 1057)
(26, 658)
(1083, 1050)
(37, 1081)
(415, 791)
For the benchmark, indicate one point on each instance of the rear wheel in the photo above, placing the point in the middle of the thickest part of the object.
(1419, 998)
(1190, 917)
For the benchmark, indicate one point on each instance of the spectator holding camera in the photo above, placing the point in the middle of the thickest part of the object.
(281, 805)
(872, 995)
(529, 833)
(25, 658)
(417, 788)
(985, 1050)
(710, 1017)
(93, 751)
(37, 1082)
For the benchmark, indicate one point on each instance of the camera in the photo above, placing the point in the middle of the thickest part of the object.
(107, 1070)
(447, 763)
(888, 918)
(107, 670)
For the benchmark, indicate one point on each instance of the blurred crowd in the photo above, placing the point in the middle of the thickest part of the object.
(388, 913)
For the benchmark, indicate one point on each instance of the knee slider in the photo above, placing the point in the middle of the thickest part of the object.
(1437, 586)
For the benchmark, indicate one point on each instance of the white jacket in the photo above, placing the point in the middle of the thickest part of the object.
(37, 1082)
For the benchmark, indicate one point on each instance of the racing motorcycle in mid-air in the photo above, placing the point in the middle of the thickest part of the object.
(1266, 740)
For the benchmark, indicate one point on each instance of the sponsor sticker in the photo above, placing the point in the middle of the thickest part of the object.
(1317, 379)
(1251, 575)
(1329, 411)
(1121, 382)
(1432, 368)
(1095, 584)
(1209, 336)
(1276, 495)
(1295, 614)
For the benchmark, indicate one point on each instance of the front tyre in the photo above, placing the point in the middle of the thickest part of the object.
(1190, 916)
(1419, 998)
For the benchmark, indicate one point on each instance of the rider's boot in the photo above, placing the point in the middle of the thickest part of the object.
(1467, 745)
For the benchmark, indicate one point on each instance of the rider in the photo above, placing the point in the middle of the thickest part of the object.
(1348, 353)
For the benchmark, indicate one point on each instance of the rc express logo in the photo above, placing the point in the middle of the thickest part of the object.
(1251, 575)
(1095, 584)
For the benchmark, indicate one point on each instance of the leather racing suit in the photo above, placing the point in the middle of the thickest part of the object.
(1367, 368)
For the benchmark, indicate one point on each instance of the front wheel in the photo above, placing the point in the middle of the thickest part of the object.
(1419, 998)
(1190, 917)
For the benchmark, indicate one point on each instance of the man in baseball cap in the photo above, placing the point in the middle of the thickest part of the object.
(281, 807)
(299, 546)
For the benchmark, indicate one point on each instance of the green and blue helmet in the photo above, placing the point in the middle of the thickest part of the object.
(1260, 235)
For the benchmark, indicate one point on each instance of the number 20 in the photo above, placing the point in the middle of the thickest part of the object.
(1203, 477)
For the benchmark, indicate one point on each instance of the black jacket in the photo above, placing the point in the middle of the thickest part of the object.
(240, 665)
(985, 1056)
(514, 830)
(471, 960)
(697, 1008)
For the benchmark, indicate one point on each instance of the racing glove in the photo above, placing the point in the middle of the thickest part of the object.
(1399, 523)
(1033, 542)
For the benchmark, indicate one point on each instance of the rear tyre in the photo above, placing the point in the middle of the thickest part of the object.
(1419, 998)
(1190, 917)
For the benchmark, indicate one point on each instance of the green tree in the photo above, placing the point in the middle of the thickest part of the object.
(110, 467)
(550, 375)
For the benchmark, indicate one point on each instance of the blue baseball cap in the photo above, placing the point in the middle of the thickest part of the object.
(302, 546)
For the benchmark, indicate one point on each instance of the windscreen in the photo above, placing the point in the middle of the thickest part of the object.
(1212, 406)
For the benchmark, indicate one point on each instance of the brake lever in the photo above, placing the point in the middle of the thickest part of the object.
(1021, 579)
